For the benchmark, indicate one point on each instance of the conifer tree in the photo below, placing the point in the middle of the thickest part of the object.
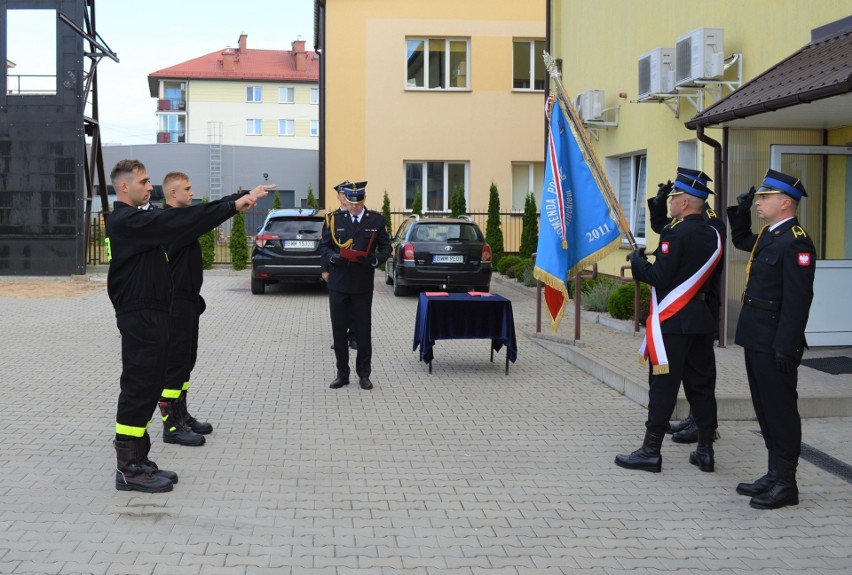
(208, 245)
(238, 245)
(493, 231)
(276, 201)
(386, 212)
(461, 203)
(529, 231)
(417, 205)
(311, 199)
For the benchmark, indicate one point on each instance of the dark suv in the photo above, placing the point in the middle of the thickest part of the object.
(286, 248)
(444, 253)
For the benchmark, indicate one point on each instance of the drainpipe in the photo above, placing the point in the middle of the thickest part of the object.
(720, 177)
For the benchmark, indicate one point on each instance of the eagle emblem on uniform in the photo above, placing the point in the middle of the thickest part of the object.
(804, 259)
(664, 247)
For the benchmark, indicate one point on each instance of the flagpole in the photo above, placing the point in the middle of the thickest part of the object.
(588, 151)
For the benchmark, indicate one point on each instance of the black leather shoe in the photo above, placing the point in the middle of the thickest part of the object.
(353, 344)
(339, 382)
(365, 383)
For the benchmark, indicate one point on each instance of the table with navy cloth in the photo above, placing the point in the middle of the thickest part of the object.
(465, 316)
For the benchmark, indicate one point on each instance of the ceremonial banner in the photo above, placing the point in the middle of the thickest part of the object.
(577, 227)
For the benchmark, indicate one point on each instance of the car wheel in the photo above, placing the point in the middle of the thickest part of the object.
(388, 278)
(398, 290)
(257, 286)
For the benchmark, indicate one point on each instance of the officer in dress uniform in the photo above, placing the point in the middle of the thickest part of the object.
(350, 333)
(680, 327)
(354, 243)
(771, 327)
(686, 430)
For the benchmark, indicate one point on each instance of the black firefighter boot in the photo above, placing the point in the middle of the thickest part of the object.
(146, 449)
(689, 433)
(703, 454)
(783, 492)
(131, 474)
(647, 457)
(761, 484)
(175, 428)
(199, 427)
(682, 424)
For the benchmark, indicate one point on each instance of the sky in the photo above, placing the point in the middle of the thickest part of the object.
(156, 34)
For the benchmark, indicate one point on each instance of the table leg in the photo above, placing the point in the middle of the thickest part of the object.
(507, 362)
(492, 355)
(430, 367)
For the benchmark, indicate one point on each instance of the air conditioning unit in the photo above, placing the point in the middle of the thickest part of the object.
(656, 72)
(699, 55)
(590, 105)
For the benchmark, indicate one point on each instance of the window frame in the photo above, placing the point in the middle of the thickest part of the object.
(314, 130)
(314, 96)
(447, 65)
(289, 90)
(535, 174)
(254, 94)
(636, 212)
(286, 122)
(423, 184)
(257, 124)
(534, 64)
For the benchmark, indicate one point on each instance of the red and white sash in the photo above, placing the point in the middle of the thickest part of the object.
(652, 346)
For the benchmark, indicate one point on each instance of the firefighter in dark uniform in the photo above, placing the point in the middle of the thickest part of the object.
(139, 287)
(686, 430)
(350, 333)
(771, 326)
(680, 327)
(354, 243)
(187, 267)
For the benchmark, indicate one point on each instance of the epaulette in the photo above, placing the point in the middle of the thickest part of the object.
(710, 214)
(674, 222)
(799, 232)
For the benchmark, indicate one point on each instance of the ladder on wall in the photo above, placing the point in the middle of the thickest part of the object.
(214, 137)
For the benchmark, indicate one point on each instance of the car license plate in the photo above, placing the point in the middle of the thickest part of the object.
(438, 259)
(298, 243)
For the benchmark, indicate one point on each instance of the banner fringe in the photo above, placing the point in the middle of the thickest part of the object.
(557, 284)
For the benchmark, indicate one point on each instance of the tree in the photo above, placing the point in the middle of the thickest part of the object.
(208, 245)
(311, 199)
(458, 205)
(417, 205)
(238, 244)
(386, 212)
(276, 201)
(493, 232)
(529, 230)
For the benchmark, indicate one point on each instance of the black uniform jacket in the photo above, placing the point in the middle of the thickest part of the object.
(138, 275)
(354, 277)
(186, 263)
(782, 272)
(685, 246)
(658, 212)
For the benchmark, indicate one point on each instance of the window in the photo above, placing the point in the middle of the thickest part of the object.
(314, 95)
(437, 63)
(434, 181)
(172, 128)
(631, 193)
(254, 94)
(527, 178)
(286, 127)
(253, 127)
(286, 95)
(527, 65)
(314, 127)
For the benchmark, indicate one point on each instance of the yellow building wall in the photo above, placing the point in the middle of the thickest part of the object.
(373, 125)
(600, 44)
(837, 202)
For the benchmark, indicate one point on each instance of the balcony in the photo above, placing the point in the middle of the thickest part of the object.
(171, 137)
(171, 105)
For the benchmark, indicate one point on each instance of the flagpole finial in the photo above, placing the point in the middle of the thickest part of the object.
(550, 65)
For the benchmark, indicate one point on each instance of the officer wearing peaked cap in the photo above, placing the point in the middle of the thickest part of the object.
(354, 243)
(686, 431)
(679, 330)
(771, 326)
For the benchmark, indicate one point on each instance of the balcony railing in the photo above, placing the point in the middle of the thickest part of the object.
(171, 105)
(171, 137)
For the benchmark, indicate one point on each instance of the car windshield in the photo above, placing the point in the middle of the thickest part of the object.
(294, 226)
(444, 233)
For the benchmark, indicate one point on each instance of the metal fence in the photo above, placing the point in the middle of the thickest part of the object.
(511, 223)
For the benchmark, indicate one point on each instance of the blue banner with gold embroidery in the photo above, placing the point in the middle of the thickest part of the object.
(577, 227)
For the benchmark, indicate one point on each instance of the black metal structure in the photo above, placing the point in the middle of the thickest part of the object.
(46, 173)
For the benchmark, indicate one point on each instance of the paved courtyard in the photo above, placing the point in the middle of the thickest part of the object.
(464, 471)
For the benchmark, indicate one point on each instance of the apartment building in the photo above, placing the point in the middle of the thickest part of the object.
(242, 97)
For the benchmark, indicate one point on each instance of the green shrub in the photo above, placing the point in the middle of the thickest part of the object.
(528, 278)
(529, 233)
(596, 297)
(522, 268)
(620, 303)
(506, 263)
(276, 201)
(311, 201)
(493, 232)
(238, 245)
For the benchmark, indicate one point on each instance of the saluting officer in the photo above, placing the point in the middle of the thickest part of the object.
(686, 430)
(354, 243)
(771, 327)
(680, 326)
